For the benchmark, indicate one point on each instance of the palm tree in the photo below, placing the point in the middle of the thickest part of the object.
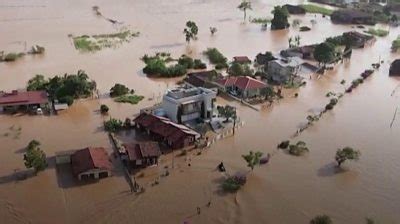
(244, 6)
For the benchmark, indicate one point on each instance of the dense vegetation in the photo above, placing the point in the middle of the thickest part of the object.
(64, 88)
(119, 90)
(190, 31)
(396, 44)
(104, 109)
(132, 99)
(280, 20)
(35, 157)
(216, 58)
(239, 69)
(86, 43)
(113, 125)
(325, 52)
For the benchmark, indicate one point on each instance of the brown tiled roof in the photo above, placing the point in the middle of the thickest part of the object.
(142, 150)
(23, 98)
(90, 158)
(163, 126)
(241, 59)
(243, 82)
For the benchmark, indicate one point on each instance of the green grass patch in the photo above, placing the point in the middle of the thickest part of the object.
(260, 20)
(317, 9)
(86, 43)
(132, 99)
(377, 32)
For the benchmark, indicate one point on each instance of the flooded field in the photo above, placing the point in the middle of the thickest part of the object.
(288, 190)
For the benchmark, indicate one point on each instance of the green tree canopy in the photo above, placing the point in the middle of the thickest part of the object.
(190, 31)
(252, 159)
(244, 6)
(346, 153)
(37, 83)
(280, 20)
(118, 90)
(321, 219)
(238, 69)
(325, 52)
(34, 157)
(227, 111)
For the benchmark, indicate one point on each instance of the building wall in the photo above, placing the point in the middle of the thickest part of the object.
(94, 172)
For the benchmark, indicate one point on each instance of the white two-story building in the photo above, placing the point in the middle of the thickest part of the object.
(186, 104)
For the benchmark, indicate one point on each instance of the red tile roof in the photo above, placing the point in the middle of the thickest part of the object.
(142, 150)
(243, 82)
(164, 127)
(90, 158)
(241, 59)
(16, 98)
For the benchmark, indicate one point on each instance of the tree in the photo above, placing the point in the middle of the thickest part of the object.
(190, 31)
(118, 90)
(37, 83)
(324, 52)
(321, 219)
(34, 157)
(268, 92)
(280, 20)
(113, 125)
(104, 109)
(346, 153)
(252, 159)
(238, 69)
(244, 6)
(227, 111)
(298, 149)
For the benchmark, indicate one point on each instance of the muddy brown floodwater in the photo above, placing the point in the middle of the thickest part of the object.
(288, 190)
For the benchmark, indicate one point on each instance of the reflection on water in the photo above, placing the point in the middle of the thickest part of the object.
(288, 190)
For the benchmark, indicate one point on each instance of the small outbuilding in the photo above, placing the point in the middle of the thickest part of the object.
(142, 154)
(91, 163)
(241, 59)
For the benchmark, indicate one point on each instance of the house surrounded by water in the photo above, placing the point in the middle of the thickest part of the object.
(27, 100)
(186, 104)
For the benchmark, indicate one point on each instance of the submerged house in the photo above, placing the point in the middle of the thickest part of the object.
(165, 131)
(304, 52)
(29, 100)
(280, 71)
(358, 40)
(91, 163)
(205, 79)
(242, 86)
(395, 68)
(186, 104)
(142, 154)
(352, 16)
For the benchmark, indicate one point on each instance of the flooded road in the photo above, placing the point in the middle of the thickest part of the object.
(288, 190)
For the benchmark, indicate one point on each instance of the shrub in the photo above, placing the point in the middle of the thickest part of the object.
(11, 57)
(233, 183)
(113, 125)
(118, 90)
(396, 44)
(155, 67)
(298, 149)
(132, 99)
(35, 157)
(215, 56)
(377, 32)
(186, 61)
(104, 109)
(175, 71)
(284, 144)
(346, 153)
(321, 219)
(198, 64)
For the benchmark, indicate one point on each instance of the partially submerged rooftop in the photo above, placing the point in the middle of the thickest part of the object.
(187, 91)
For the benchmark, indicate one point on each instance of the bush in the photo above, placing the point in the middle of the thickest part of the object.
(396, 44)
(233, 183)
(186, 61)
(175, 71)
(104, 109)
(299, 149)
(118, 90)
(132, 99)
(284, 144)
(377, 32)
(216, 57)
(321, 219)
(237, 69)
(12, 57)
(113, 125)
(155, 67)
(35, 157)
(198, 64)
